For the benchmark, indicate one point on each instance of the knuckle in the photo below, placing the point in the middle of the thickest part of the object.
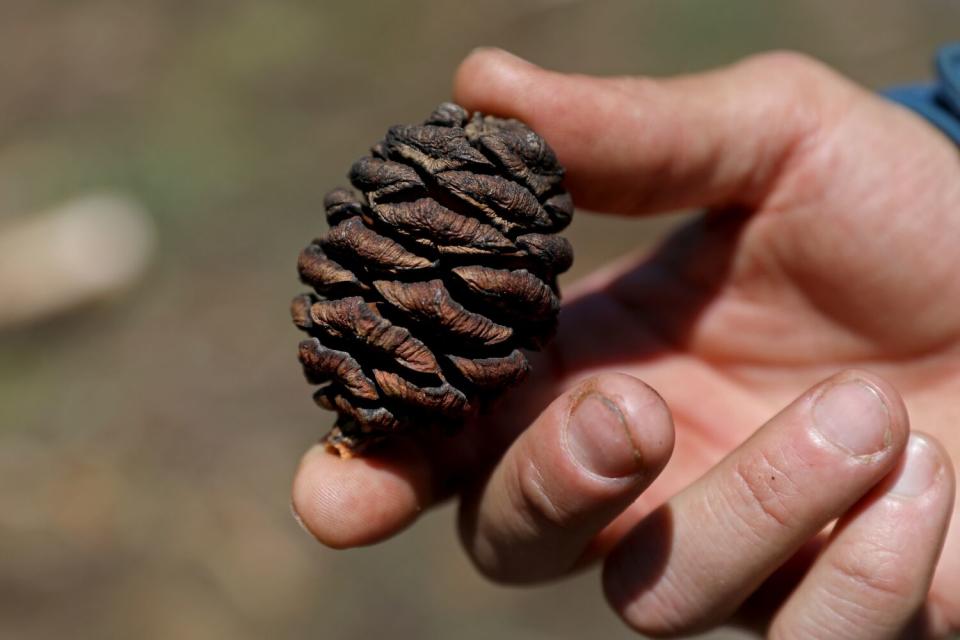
(871, 577)
(794, 88)
(646, 89)
(761, 492)
(505, 545)
(535, 501)
(792, 64)
(866, 589)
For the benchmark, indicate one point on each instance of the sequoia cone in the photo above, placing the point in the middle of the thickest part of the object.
(432, 279)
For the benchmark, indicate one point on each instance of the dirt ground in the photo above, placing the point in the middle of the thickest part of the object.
(147, 444)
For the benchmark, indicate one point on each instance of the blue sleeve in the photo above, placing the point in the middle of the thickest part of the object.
(938, 102)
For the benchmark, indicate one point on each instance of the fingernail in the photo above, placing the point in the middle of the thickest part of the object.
(598, 437)
(853, 416)
(918, 470)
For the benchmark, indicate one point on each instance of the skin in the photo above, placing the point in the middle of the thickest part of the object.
(815, 298)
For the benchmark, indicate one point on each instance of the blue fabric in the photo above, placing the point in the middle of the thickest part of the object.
(938, 102)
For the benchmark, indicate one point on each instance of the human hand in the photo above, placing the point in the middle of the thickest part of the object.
(828, 244)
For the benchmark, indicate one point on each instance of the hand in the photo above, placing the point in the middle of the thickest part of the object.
(829, 244)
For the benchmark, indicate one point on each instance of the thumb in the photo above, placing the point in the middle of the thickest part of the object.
(640, 145)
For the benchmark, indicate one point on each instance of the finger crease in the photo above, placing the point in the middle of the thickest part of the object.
(757, 480)
(534, 500)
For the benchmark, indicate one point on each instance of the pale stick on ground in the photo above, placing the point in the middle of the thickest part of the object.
(86, 250)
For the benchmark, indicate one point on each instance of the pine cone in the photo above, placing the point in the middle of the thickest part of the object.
(430, 282)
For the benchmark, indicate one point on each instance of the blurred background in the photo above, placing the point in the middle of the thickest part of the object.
(151, 415)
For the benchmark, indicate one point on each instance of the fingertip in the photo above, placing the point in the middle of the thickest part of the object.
(346, 503)
(589, 122)
(488, 75)
(924, 466)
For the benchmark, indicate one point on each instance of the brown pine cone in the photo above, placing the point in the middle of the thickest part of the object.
(431, 280)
